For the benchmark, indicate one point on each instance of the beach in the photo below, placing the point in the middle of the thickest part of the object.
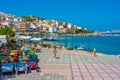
(74, 65)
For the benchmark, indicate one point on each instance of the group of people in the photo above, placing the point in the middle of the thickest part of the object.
(55, 52)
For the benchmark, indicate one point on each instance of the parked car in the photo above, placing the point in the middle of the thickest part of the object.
(20, 66)
(7, 67)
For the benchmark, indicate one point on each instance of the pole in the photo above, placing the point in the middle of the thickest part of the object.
(89, 43)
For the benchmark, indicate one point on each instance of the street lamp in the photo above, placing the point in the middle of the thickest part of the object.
(88, 43)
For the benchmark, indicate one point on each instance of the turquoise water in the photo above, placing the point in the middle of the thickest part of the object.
(104, 44)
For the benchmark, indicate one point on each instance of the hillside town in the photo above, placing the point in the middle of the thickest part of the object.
(38, 25)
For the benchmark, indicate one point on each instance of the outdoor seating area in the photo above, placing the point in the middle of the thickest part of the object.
(18, 59)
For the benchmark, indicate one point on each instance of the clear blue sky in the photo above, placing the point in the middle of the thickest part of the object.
(99, 15)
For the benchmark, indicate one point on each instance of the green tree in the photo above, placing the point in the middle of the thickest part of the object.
(65, 26)
(81, 31)
(7, 31)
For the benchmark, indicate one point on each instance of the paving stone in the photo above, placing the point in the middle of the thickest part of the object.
(98, 78)
(77, 78)
(87, 67)
(88, 78)
(86, 74)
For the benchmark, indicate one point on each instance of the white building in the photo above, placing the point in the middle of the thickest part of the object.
(15, 19)
(40, 21)
(33, 26)
(5, 23)
(69, 25)
(53, 28)
(79, 27)
(57, 24)
(85, 28)
(61, 27)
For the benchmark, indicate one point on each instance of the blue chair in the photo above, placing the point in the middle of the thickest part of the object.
(20, 66)
(7, 67)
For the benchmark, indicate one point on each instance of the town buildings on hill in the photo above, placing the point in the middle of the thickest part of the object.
(33, 24)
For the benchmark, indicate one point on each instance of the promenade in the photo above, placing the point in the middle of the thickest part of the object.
(73, 65)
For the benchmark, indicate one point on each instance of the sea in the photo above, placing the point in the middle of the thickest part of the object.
(109, 45)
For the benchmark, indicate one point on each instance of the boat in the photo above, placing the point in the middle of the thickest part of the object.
(36, 39)
(82, 47)
(49, 39)
(69, 48)
(25, 37)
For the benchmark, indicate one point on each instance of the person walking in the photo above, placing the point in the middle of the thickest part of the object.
(94, 52)
(54, 52)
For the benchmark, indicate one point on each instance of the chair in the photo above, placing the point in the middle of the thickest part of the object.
(32, 64)
(20, 66)
(7, 67)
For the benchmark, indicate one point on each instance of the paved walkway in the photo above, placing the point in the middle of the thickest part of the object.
(76, 65)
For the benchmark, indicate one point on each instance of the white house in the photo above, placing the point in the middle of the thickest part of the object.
(16, 24)
(40, 21)
(69, 25)
(33, 26)
(56, 23)
(61, 27)
(5, 23)
(79, 27)
(15, 19)
(85, 28)
(3, 39)
(52, 28)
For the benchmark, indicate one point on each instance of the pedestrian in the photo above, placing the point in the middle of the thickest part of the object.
(54, 52)
(94, 52)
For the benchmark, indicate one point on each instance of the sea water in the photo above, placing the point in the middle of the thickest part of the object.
(104, 44)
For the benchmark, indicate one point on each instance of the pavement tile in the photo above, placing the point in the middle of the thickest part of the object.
(98, 78)
(74, 66)
(105, 68)
(101, 67)
(114, 75)
(75, 69)
(82, 67)
(104, 75)
(118, 78)
(92, 71)
(95, 74)
(76, 74)
(117, 71)
(109, 71)
(86, 74)
(108, 79)
(90, 68)
(87, 78)
(101, 71)
(84, 70)
(77, 78)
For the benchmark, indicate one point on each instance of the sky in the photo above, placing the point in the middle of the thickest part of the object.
(101, 15)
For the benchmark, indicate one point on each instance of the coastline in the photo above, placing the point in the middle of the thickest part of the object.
(71, 44)
(86, 53)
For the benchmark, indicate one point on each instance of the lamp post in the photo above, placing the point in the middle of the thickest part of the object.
(88, 43)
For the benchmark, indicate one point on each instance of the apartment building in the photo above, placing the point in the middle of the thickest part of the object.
(22, 26)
